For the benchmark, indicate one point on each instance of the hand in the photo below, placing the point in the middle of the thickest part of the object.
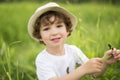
(115, 56)
(94, 65)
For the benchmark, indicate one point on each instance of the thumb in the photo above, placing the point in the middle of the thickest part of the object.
(108, 54)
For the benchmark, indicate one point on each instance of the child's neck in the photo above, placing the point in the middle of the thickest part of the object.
(56, 51)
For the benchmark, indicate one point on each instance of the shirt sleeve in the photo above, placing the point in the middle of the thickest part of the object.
(44, 70)
(80, 57)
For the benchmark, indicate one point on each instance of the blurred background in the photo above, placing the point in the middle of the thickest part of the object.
(63, 1)
(98, 25)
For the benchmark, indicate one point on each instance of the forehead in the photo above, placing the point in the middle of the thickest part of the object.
(55, 22)
(51, 19)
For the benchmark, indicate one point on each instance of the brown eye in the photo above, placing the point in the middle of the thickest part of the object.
(45, 29)
(59, 26)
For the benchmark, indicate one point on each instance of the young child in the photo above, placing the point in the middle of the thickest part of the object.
(50, 25)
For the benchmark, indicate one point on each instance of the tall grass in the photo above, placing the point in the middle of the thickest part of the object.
(98, 25)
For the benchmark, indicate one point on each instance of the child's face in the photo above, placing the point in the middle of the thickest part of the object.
(53, 34)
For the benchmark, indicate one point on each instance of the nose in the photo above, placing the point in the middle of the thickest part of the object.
(54, 31)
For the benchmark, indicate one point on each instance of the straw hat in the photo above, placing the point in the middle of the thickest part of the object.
(49, 7)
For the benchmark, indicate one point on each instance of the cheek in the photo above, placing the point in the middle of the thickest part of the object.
(68, 33)
(65, 34)
(44, 35)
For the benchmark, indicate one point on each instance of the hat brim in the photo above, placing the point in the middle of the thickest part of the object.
(38, 13)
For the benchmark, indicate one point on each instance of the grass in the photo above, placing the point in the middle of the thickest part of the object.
(98, 25)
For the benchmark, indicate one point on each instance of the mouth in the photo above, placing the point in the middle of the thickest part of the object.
(56, 39)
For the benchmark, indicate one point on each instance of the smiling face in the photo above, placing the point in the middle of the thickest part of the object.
(51, 22)
(54, 32)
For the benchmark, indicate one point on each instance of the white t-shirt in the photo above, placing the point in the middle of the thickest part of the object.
(49, 65)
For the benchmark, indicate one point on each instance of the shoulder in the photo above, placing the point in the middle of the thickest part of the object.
(77, 53)
(72, 48)
(44, 67)
(41, 57)
(68, 46)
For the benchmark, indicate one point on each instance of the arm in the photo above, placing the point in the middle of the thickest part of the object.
(75, 75)
(90, 67)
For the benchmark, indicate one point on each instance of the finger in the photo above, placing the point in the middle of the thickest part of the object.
(109, 52)
(114, 53)
(99, 66)
(117, 54)
(118, 51)
(99, 60)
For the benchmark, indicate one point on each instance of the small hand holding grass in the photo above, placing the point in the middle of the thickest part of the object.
(97, 66)
(112, 55)
(94, 65)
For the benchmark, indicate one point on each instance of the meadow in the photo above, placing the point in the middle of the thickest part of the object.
(98, 25)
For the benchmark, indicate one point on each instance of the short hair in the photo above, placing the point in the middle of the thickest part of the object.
(45, 19)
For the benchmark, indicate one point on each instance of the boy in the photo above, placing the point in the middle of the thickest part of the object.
(51, 25)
